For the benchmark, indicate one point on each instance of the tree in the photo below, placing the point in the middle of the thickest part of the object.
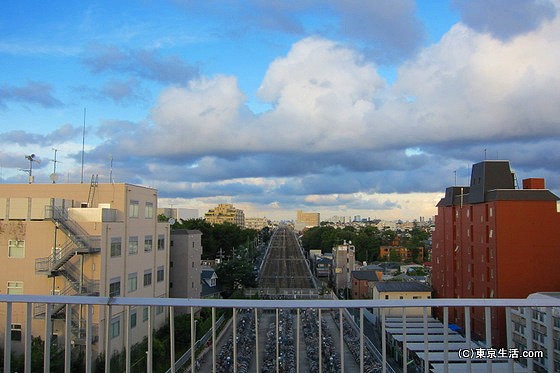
(236, 273)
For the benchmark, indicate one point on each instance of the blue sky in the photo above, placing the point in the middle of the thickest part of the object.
(355, 107)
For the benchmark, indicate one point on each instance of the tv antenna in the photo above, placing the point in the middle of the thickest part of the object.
(54, 176)
(31, 158)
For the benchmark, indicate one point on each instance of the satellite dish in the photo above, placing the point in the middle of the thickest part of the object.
(171, 221)
(54, 177)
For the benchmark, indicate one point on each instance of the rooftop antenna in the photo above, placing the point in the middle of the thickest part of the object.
(485, 153)
(455, 173)
(111, 171)
(54, 176)
(83, 146)
(31, 158)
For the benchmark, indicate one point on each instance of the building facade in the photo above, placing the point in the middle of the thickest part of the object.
(82, 239)
(344, 262)
(402, 290)
(492, 240)
(256, 223)
(225, 213)
(538, 328)
(307, 219)
(185, 266)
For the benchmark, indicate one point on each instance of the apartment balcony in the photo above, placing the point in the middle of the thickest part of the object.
(355, 335)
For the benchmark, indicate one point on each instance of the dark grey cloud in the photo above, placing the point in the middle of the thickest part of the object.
(122, 91)
(37, 93)
(505, 19)
(143, 63)
(66, 132)
(390, 29)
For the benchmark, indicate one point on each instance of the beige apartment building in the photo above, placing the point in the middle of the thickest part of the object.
(225, 213)
(256, 223)
(83, 239)
(307, 219)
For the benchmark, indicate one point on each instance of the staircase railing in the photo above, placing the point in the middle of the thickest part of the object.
(73, 230)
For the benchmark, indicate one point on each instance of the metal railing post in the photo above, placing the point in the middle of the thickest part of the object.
(8, 338)
(48, 338)
(214, 339)
(127, 351)
(277, 336)
(320, 341)
(29, 316)
(297, 339)
(341, 327)
(383, 340)
(257, 338)
(172, 337)
(89, 338)
(235, 340)
(361, 339)
(68, 339)
(193, 340)
(108, 316)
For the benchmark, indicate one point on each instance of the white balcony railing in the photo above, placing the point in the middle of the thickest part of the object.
(412, 340)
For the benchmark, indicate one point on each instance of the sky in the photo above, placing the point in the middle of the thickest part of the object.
(342, 107)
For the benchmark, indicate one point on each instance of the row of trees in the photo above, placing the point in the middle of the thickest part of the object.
(218, 239)
(367, 240)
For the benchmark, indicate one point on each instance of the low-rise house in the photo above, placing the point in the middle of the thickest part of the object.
(209, 283)
(363, 283)
(402, 290)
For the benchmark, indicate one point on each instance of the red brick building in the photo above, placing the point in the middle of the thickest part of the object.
(492, 240)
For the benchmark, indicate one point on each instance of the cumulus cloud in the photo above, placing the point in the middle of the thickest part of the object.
(505, 19)
(37, 93)
(143, 63)
(335, 127)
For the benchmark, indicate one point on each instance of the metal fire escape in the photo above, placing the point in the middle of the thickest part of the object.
(59, 263)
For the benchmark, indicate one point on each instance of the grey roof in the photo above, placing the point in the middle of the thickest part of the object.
(371, 267)
(399, 286)
(365, 275)
(492, 181)
(185, 231)
(206, 273)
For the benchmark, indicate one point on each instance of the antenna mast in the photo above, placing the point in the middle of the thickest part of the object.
(54, 176)
(83, 146)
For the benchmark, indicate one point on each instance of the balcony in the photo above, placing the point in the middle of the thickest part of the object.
(356, 335)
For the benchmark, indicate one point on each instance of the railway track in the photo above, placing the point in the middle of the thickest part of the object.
(285, 266)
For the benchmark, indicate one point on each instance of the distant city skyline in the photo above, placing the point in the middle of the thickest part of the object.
(344, 108)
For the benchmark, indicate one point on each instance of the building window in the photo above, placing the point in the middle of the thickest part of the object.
(132, 282)
(133, 318)
(16, 249)
(159, 310)
(149, 210)
(147, 277)
(133, 245)
(116, 246)
(145, 314)
(133, 209)
(160, 274)
(148, 244)
(16, 332)
(161, 242)
(115, 287)
(15, 287)
(115, 328)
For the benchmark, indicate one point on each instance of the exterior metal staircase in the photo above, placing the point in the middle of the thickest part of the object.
(80, 242)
